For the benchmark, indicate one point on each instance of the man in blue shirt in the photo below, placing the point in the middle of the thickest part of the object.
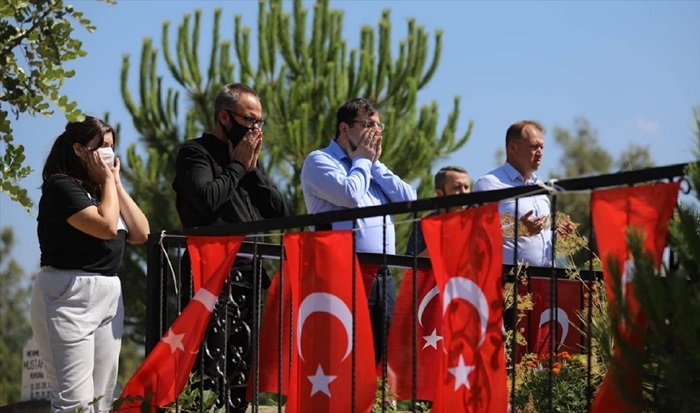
(449, 180)
(524, 151)
(348, 174)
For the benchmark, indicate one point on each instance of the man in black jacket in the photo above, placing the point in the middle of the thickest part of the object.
(218, 180)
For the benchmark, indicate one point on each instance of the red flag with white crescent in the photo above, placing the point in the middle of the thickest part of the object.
(428, 326)
(466, 252)
(560, 317)
(165, 371)
(274, 330)
(648, 209)
(332, 333)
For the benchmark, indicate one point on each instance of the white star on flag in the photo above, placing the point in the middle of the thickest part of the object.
(461, 373)
(174, 340)
(205, 297)
(432, 340)
(320, 382)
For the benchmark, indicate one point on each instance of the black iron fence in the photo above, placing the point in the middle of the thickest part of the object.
(169, 286)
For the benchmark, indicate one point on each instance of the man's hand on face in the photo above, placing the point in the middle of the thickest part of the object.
(534, 225)
(367, 146)
(247, 150)
(377, 149)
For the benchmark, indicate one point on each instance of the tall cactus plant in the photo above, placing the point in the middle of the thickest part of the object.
(303, 70)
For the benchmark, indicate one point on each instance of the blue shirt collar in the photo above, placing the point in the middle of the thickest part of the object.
(514, 175)
(336, 150)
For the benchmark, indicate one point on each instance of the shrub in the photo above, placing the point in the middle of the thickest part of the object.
(567, 376)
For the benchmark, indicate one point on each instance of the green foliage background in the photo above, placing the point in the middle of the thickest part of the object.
(37, 39)
(14, 319)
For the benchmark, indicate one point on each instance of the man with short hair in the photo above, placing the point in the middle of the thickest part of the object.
(449, 180)
(524, 151)
(218, 180)
(348, 174)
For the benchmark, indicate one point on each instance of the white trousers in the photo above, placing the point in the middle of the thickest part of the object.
(78, 320)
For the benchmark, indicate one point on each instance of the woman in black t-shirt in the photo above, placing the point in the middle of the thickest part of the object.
(85, 217)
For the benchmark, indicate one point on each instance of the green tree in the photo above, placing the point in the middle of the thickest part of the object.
(36, 42)
(582, 153)
(14, 321)
(584, 156)
(303, 70)
(634, 157)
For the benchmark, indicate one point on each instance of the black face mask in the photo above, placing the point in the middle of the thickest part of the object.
(235, 133)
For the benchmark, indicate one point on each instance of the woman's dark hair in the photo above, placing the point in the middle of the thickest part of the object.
(62, 159)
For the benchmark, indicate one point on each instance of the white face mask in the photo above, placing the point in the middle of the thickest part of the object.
(107, 155)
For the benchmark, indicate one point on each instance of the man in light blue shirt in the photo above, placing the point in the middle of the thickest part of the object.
(524, 150)
(348, 174)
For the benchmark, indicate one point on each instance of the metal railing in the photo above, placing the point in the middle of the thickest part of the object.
(165, 252)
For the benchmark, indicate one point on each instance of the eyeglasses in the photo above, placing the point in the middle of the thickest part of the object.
(249, 122)
(369, 124)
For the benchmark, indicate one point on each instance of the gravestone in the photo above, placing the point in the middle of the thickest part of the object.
(35, 384)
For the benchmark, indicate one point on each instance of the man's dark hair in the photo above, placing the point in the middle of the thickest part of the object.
(441, 175)
(515, 131)
(228, 96)
(348, 112)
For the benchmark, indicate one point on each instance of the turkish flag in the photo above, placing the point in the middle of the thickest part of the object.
(332, 333)
(466, 252)
(165, 371)
(206, 254)
(648, 209)
(274, 357)
(429, 344)
(561, 315)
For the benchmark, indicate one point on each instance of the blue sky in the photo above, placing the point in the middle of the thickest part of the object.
(631, 67)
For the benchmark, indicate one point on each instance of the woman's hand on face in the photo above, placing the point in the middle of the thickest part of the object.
(115, 171)
(96, 167)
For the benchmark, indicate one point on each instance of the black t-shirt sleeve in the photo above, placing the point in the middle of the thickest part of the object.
(68, 198)
(66, 247)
